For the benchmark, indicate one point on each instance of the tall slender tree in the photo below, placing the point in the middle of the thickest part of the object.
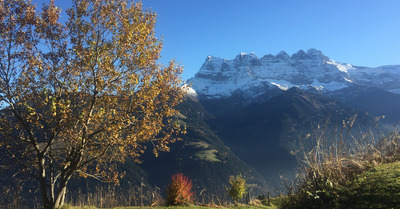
(79, 95)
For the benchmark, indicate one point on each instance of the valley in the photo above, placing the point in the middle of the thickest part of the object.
(242, 117)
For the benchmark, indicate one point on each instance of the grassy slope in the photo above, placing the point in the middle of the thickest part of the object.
(188, 207)
(275, 201)
(376, 188)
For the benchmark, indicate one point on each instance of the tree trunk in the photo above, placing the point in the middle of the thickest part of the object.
(42, 182)
(59, 201)
(62, 190)
(43, 191)
(58, 196)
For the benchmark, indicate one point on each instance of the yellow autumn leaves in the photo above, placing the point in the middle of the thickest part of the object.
(91, 84)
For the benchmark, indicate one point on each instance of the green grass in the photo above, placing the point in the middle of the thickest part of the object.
(186, 207)
(208, 155)
(200, 144)
(376, 188)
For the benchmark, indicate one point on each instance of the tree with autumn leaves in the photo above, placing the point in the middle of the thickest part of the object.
(78, 96)
(179, 192)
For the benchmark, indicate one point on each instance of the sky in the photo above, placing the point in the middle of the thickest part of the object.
(358, 32)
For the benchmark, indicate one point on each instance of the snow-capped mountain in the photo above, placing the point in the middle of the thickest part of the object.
(306, 70)
(253, 106)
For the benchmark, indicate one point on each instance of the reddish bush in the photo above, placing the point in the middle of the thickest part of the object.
(179, 191)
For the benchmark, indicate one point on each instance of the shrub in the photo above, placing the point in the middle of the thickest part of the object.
(238, 188)
(179, 191)
(317, 192)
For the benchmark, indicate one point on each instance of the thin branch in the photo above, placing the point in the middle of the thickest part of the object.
(95, 158)
(90, 175)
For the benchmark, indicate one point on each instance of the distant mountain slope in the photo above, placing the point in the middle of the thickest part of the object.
(202, 156)
(263, 133)
(375, 101)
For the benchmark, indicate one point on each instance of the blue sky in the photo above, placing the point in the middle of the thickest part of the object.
(359, 32)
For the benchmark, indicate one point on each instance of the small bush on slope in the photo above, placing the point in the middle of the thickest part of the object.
(238, 188)
(179, 191)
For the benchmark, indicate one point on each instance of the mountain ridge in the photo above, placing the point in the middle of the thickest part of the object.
(310, 70)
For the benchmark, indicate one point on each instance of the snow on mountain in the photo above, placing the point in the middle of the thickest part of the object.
(307, 70)
(384, 77)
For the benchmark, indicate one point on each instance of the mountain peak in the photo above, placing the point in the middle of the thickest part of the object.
(317, 54)
(311, 54)
(314, 52)
(246, 55)
(211, 58)
(246, 59)
(283, 55)
(300, 55)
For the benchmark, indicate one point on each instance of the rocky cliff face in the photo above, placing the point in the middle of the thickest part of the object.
(306, 70)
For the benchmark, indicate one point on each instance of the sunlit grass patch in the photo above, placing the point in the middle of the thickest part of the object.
(208, 155)
(199, 144)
